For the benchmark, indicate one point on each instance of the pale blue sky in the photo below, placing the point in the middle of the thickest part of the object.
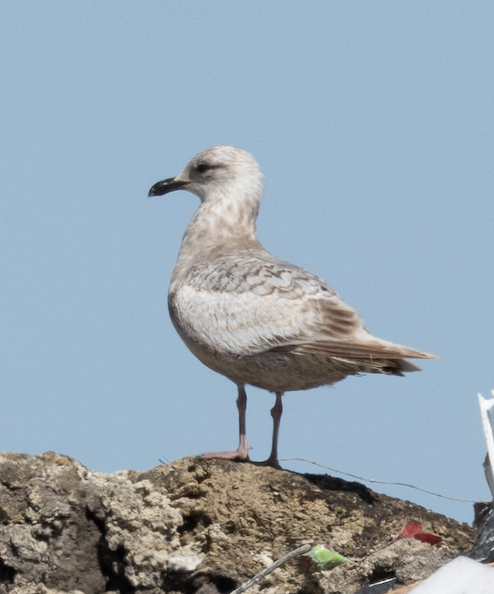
(373, 125)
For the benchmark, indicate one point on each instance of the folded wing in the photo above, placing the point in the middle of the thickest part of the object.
(249, 304)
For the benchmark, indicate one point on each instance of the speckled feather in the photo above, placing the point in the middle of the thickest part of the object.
(250, 316)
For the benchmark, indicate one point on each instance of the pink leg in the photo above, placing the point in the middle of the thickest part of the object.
(242, 452)
(276, 414)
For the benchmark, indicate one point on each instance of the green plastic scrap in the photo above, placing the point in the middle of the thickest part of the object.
(323, 558)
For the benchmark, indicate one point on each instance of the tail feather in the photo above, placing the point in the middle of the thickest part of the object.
(385, 366)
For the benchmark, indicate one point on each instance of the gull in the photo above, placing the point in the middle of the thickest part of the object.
(250, 316)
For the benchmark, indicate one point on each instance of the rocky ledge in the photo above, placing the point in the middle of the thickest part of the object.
(201, 527)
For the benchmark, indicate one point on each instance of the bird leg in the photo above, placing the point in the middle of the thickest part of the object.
(242, 452)
(276, 414)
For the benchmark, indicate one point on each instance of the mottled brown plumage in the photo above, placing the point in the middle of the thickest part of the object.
(252, 317)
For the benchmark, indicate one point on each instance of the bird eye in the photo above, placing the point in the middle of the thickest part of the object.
(202, 167)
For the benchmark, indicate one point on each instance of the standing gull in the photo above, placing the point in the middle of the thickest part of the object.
(248, 315)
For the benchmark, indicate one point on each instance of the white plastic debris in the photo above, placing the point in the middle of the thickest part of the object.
(461, 576)
(487, 415)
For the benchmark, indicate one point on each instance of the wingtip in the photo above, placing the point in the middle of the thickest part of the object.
(431, 356)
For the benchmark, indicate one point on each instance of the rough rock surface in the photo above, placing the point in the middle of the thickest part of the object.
(200, 526)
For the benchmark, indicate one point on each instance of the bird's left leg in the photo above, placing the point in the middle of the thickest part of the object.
(276, 414)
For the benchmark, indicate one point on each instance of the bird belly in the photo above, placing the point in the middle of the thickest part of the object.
(271, 370)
